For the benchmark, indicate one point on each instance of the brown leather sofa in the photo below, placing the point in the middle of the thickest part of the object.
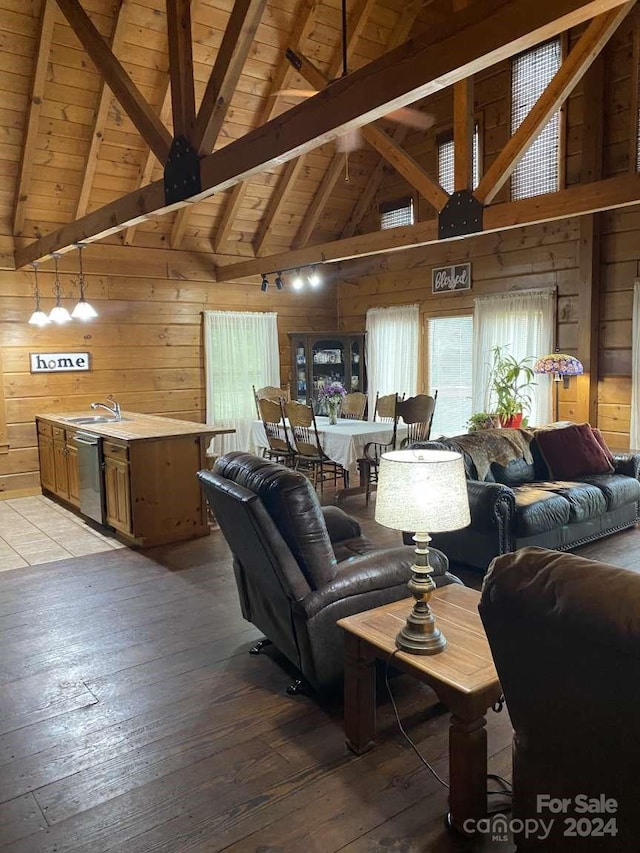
(515, 503)
(565, 637)
(299, 567)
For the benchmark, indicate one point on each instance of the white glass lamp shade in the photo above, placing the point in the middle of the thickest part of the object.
(39, 318)
(84, 311)
(422, 490)
(59, 315)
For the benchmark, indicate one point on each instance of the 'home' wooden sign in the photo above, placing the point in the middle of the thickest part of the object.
(58, 362)
(445, 279)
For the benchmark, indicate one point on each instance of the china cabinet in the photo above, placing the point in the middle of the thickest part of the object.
(320, 358)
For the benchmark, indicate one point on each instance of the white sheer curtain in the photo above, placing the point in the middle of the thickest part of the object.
(240, 351)
(634, 437)
(392, 351)
(524, 321)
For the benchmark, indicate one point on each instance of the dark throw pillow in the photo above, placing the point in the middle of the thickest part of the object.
(572, 451)
(603, 444)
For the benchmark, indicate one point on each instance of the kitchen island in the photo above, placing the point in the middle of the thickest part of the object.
(136, 475)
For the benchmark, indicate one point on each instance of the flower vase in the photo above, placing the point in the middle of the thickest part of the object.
(332, 408)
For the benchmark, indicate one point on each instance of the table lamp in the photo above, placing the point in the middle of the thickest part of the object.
(422, 490)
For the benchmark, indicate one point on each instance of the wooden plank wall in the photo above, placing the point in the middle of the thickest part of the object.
(146, 346)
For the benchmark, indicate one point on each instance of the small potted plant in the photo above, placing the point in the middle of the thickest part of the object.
(510, 386)
(332, 395)
(481, 420)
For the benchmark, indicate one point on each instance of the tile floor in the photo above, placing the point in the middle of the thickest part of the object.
(36, 530)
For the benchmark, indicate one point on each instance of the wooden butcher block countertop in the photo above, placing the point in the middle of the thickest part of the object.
(134, 426)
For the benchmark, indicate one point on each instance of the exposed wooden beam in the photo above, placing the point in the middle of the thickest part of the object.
(236, 197)
(355, 25)
(148, 125)
(102, 113)
(620, 191)
(463, 127)
(366, 198)
(593, 122)
(183, 98)
(335, 170)
(236, 42)
(33, 116)
(580, 58)
(487, 32)
(406, 166)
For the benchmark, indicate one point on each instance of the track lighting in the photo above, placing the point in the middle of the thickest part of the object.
(265, 282)
(314, 277)
(82, 311)
(59, 313)
(38, 318)
(279, 281)
(297, 282)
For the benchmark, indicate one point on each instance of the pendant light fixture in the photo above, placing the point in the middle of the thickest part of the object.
(38, 318)
(82, 311)
(59, 313)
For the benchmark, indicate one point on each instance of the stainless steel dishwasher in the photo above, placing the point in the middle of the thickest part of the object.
(91, 480)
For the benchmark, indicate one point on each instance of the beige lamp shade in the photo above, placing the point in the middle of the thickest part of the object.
(423, 490)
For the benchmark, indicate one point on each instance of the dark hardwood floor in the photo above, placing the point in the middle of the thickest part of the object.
(132, 718)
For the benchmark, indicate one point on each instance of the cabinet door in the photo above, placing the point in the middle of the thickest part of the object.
(72, 472)
(118, 502)
(329, 365)
(47, 468)
(60, 468)
(300, 369)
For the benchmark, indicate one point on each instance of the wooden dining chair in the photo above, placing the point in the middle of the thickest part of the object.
(385, 411)
(272, 417)
(417, 413)
(353, 406)
(309, 455)
(271, 392)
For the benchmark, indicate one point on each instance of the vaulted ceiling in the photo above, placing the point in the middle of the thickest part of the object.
(71, 152)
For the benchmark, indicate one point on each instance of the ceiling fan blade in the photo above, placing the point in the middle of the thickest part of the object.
(349, 141)
(298, 93)
(412, 118)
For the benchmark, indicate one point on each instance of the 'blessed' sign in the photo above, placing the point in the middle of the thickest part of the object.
(457, 277)
(55, 362)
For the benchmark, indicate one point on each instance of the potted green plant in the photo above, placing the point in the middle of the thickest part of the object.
(510, 386)
(481, 420)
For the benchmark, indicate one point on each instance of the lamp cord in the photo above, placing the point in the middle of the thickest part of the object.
(506, 785)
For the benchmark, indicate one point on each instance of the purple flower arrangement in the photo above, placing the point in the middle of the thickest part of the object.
(333, 392)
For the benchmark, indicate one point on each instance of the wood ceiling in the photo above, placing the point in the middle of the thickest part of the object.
(77, 166)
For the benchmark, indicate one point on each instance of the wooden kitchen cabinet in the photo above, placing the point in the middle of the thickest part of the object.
(117, 487)
(148, 485)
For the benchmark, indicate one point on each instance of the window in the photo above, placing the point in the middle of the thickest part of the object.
(524, 322)
(241, 351)
(531, 73)
(449, 372)
(396, 213)
(446, 160)
(392, 351)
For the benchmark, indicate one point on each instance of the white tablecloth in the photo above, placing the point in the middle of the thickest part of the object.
(343, 442)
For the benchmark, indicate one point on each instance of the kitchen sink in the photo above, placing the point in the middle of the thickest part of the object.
(93, 419)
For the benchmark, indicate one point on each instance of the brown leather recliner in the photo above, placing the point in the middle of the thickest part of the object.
(299, 567)
(565, 636)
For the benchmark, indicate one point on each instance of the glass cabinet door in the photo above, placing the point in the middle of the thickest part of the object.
(357, 362)
(329, 366)
(300, 377)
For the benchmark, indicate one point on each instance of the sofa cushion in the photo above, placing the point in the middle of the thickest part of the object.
(585, 501)
(617, 489)
(514, 473)
(572, 452)
(539, 510)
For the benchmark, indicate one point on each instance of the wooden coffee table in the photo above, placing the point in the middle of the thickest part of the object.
(463, 677)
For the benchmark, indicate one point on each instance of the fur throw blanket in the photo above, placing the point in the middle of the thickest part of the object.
(494, 445)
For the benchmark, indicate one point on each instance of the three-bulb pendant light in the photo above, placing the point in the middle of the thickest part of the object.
(59, 314)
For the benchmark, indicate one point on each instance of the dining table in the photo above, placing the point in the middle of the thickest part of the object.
(343, 442)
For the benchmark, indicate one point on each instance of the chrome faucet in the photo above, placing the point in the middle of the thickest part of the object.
(110, 406)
